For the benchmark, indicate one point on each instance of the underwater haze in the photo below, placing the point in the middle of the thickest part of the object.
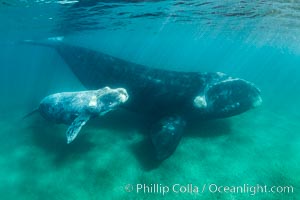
(254, 40)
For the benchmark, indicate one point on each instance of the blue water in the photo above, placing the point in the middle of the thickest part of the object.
(257, 41)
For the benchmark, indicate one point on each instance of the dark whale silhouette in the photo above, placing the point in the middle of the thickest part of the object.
(171, 97)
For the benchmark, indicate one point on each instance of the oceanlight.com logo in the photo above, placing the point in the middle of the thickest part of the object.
(161, 189)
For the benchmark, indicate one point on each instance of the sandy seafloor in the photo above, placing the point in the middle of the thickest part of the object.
(258, 147)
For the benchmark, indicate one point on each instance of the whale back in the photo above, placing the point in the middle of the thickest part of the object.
(160, 90)
(156, 91)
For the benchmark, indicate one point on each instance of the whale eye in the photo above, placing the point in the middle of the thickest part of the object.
(107, 100)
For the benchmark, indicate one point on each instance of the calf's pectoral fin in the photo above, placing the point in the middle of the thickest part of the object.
(166, 135)
(76, 126)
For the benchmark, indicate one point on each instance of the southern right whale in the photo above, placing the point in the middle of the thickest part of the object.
(76, 108)
(171, 97)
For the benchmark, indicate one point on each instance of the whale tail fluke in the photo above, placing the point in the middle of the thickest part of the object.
(49, 42)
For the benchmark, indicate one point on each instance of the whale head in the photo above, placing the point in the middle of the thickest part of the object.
(108, 99)
(228, 97)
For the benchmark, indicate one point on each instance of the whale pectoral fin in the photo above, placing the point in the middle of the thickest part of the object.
(76, 126)
(166, 136)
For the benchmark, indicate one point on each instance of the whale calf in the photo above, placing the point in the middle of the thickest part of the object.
(171, 97)
(76, 108)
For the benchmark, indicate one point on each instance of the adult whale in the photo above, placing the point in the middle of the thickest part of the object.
(171, 97)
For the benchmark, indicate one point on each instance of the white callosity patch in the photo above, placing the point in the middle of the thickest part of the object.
(123, 95)
(93, 102)
(123, 98)
(200, 102)
(257, 102)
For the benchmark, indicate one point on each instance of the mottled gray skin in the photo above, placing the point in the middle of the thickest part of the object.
(76, 108)
(171, 97)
